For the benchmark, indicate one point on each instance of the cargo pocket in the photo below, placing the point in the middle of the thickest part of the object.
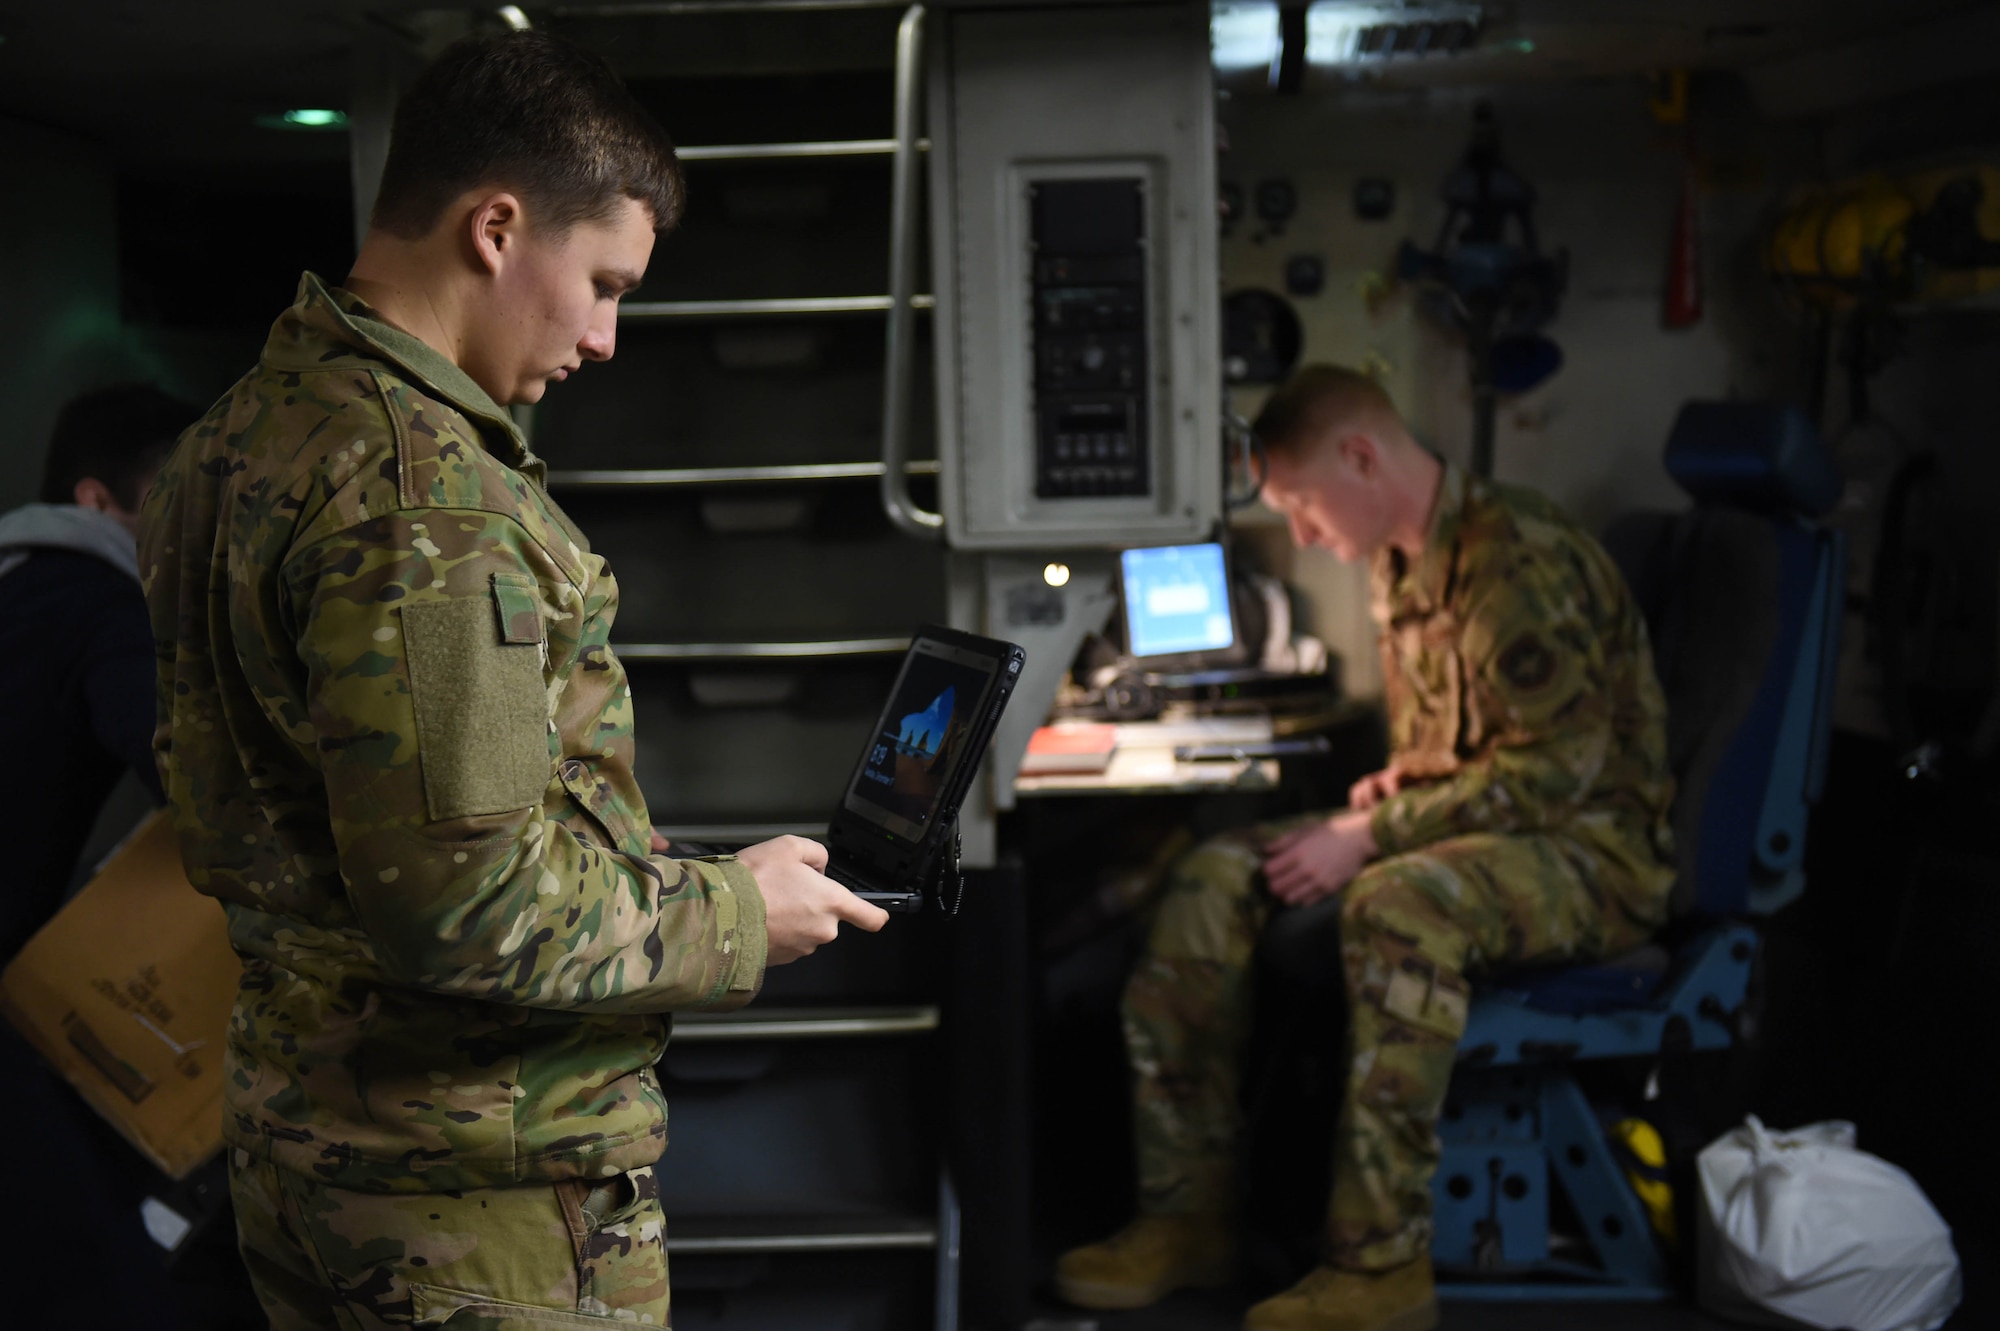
(431, 1305)
(1424, 995)
(481, 706)
(620, 1236)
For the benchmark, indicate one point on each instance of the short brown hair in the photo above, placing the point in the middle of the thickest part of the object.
(118, 436)
(536, 114)
(1315, 399)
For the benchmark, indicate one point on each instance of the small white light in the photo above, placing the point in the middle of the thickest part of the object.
(1056, 574)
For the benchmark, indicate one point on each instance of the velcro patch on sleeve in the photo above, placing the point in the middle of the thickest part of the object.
(481, 710)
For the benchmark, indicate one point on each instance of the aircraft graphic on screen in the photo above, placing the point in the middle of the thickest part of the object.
(922, 732)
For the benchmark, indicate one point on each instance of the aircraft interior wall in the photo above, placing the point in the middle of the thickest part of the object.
(762, 612)
(1608, 179)
(61, 331)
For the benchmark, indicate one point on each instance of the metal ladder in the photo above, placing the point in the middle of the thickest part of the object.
(803, 1027)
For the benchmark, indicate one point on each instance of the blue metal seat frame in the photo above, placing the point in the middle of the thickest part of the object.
(1517, 1127)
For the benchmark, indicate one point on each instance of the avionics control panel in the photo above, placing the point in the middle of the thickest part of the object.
(1077, 331)
(1088, 274)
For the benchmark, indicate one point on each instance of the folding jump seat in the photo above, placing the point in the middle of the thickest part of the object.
(1742, 595)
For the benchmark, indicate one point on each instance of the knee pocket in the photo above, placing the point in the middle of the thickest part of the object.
(1391, 920)
(1174, 989)
(1366, 907)
(1397, 896)
(1225, 865)
(1211, 910)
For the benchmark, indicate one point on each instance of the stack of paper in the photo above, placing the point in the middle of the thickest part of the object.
(1070, 746)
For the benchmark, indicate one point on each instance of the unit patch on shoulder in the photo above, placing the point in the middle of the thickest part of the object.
(1528, 663)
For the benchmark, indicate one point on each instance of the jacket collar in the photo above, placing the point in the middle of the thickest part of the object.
(331, 328)
(1424, 584)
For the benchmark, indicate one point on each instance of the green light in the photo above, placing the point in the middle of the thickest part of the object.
(313, 120)
(1525, 47)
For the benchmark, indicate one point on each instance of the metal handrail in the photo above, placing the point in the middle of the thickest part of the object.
(728, 309)
(843, 1235)
(752, 152)
(758, 651)
(806, 1023)
(669, 478)
(668, 8)
(900, 345)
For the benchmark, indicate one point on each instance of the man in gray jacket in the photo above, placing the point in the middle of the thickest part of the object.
(76, 713)
(76, 649)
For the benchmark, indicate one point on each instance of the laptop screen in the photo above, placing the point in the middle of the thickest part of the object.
(920, 736)
(1177, 600)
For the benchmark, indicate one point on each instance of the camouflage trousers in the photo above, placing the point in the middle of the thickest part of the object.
(1411, 927)
(577, 1253)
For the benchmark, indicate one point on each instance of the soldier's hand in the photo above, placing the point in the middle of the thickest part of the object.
(802, 906)
(1372, 789)
(1312, 863)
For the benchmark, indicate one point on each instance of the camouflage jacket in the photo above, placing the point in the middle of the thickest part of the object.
(1521, 691)
(398, 748)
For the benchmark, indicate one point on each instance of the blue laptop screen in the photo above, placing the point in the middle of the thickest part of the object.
(1177, 600)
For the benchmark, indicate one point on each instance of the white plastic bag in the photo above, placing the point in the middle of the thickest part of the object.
(1800, 1227)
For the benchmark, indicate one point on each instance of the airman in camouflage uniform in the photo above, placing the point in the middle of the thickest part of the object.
(381, 643)
(399, 750)
(1524, 818)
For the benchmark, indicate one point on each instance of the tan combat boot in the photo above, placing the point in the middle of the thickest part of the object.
(1147, 1260)
(1402, 1298)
